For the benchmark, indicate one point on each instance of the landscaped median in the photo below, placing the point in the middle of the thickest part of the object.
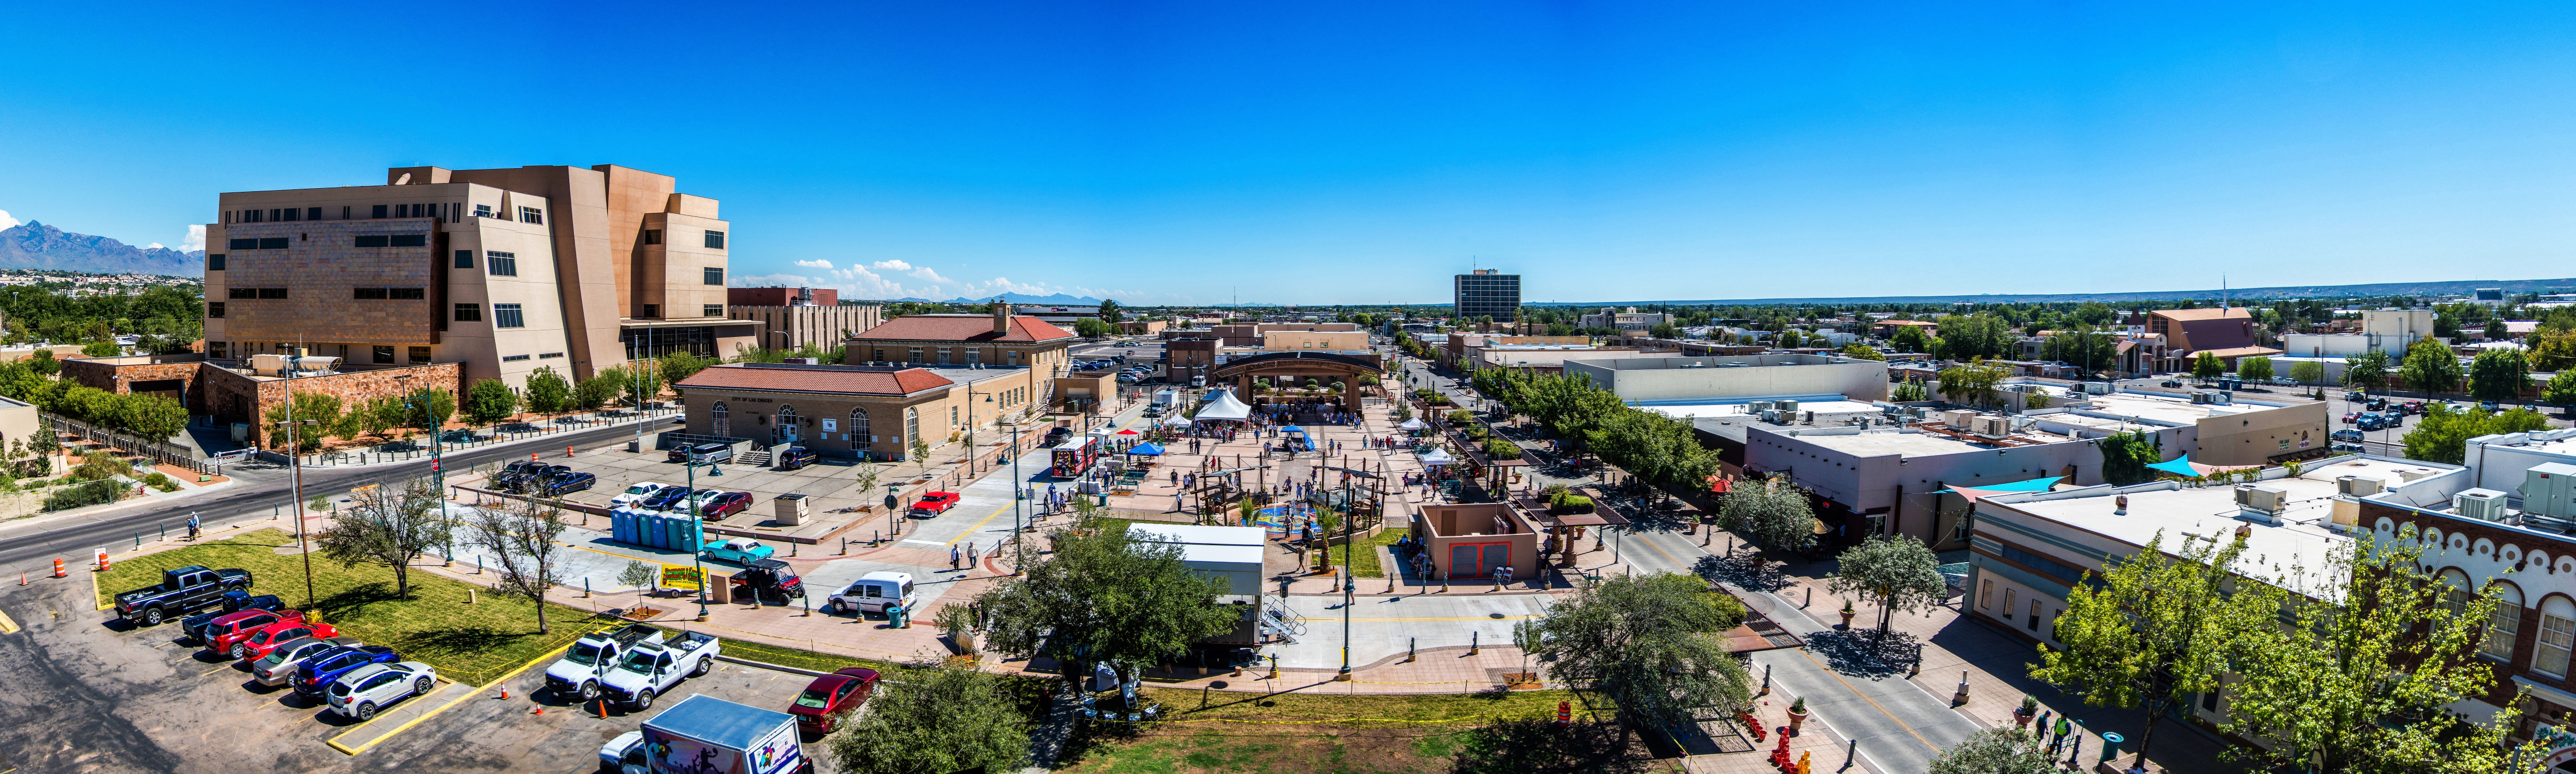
(472, 643)
(1489, 731)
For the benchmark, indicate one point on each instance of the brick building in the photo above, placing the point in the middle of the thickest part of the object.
(870, 412)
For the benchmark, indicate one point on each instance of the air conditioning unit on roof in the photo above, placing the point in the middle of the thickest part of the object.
(2262, 498)
(2480, 504)
(2358, 486)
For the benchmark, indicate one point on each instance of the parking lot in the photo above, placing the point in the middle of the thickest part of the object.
(90, 693)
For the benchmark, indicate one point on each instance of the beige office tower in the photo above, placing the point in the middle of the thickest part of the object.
(499, 270)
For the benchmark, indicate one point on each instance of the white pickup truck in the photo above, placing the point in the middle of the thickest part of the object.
(654, 668)
(576, 675)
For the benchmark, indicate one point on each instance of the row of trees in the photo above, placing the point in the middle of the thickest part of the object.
(1651, 446)
(154, 417)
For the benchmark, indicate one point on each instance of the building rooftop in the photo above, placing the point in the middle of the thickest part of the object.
(1912, 441)
(960, 327)
(1716, 361)
(1823, 405)
(2167, 410)
(821, 379)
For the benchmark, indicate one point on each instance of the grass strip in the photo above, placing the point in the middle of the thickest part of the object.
(469, 642)
(1432, 709)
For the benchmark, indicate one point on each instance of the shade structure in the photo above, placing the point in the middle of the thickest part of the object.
(1412, 424)
(2032, 485)
(1176, 420)
(1147, 449)
(1127, 432)
(1291, 429)
(1438, 457)
(1221, 404)
(2180, 466)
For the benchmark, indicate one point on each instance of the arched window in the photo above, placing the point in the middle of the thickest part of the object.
(2504, 624)
(2456, 598)
(786, 415)
(859, 425)
(911, 423)
(719, 421)
(2557, 637)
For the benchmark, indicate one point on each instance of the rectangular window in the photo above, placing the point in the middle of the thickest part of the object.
(2557, 642)
(507, 316)
(371, 294)
(241, 292)
(411, 240)
(419, 354)
(2034, 615)
(384, 354)
(314, 213)
(214, 310)
(407, 294)
(943, 355)
(273, 243)
(2501, 628)
(952, 416)
(715, 276)
(380, 211)
(219, 350)
(469, 312)
(500, 264)
(242, 244)
(713, 310)
(344, 212)
(652, 236)
(1986, 593)
(291, 214)
(482, 210)
(513, 358)
(652, 311)
(2209, 701)
(272, 293)
(715, 240)
(974, 355)
(2008, 603)
(373, 240)
(531, 215)
(549, 355)
(464, 259)
(214, 261)
(916, 356)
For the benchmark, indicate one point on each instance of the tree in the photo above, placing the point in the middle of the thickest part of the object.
(2207, 366)
(151, 417)
(1973, 383)
(1909, 339)
(1909, 392)
(489, 401)
(2499, 375)
(2365, 686)
(2308, 372)
(548, 392)
(1859, 351)
(637, 384)
(2561, 390)
(2443, 434)
(2550, 349)
(1652, 643)
(1090, 328)
(1898, 571)
(386, 527)
(2431, 367)
(1774, 515)
(2495, 329)
(679, 366)
(931, 717)
(641, 576)
(2125, 457)
(2156, 627)
(2254, 369)
(1105, 597)
(1997, 751)
(2367, 371)
(594, 392)
(429, 409)
(320, 409)
(521, 538)
(101, 349)
(1109, 312)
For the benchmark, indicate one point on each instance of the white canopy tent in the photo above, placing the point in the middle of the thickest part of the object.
(1413, 424)
(1221, 404)
(1438, 457)
(1176, 420)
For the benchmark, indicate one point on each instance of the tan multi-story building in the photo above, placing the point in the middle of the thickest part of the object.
(500, 271)
(789, 318)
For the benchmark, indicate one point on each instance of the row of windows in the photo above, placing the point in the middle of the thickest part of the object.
(257, 243)
(513, 358)
(503, 315)
(2050, 567)
(255, 293)
(392, 240)
(392, 294)
(379, 212)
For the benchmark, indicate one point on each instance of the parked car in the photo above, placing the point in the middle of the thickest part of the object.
(2170, 383)
(635, 495)
(723, 504)
(2351, 417)
(259, 643)
(872, 592)
(766, 578)
(2371, 422)
(705, 452)
(181, 591)
(2375, 404)
(665, 498)
(363, 691)
(230, 602)
(537, 479)
(576, 675)
(2490, 406)
(1126, 378)
(2393, 418)
(511, 473)
(568, 483)
(2348, 447)
(229, 630)
(831, 697)
(796, 457)
(279, 665)
(653, 669)
(737, 550)
(456, 436)
(315, 674)
(623, 754)
(2346, 435)
(934, 503)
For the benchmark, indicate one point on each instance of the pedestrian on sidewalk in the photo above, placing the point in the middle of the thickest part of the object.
(952, 557)
(2063, 728)
(971, 557)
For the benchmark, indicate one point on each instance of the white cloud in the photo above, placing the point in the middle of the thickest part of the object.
(817, 263)
(6, 221)
(932, 275)
(893, 265)
(196, 238)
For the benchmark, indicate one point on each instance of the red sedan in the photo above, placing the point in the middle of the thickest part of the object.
(935, 503)
(231, 630)
(832, 696)
(724, 504)
(260, 643)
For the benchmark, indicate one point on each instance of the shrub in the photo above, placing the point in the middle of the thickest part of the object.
(92, 493)
(101, 465)
(1461, 416)
(161, 482)
(1502, 449)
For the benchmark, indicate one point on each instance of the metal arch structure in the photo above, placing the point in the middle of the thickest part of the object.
(1241, 371)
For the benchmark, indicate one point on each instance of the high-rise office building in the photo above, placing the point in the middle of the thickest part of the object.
(1486, 292)
(500, 271)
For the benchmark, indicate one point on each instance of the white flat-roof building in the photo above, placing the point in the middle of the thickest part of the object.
(1735, 376)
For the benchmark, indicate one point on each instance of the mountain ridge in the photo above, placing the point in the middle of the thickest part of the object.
(34, 245)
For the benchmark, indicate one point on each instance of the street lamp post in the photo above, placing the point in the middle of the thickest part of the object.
(698, 526)
(437, 460)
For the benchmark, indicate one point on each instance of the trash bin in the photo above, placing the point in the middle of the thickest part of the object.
(790, 509)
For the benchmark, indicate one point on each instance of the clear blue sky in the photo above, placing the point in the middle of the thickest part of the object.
(1364, 152)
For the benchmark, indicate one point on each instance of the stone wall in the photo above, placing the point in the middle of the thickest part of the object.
(117, 375)
(237, 397)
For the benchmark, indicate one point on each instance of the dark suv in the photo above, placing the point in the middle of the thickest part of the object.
(314, 675)
(795, 457)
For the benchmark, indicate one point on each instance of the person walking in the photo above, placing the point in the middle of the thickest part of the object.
(952, 557)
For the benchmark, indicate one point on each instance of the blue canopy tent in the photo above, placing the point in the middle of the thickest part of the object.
(1981, 490)
(2180, 466)
(1148, 449)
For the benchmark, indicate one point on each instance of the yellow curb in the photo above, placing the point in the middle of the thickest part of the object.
(335, 744)
(7, 626)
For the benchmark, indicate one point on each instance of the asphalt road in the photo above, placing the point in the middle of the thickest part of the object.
(259, 489)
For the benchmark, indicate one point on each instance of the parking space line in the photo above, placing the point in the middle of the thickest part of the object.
(335, 744)
(214, 670)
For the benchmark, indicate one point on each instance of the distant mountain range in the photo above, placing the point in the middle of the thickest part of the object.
(2461, 287)
(1051, 299)
(33, 245)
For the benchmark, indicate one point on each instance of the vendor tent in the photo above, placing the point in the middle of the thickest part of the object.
(1176, 420)
(1147, 449)
(1221, 404)
(1412, 424)
(1438, 457)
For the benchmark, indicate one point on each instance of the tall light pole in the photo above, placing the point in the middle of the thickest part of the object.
(295, 473)
(698, 525)
(1019, 500)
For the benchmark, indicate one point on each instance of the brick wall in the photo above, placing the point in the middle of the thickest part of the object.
(236, 397)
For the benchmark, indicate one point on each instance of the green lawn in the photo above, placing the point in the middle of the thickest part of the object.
(1412, 710)
(469, 643)
(1364, 562)
(1293, 732)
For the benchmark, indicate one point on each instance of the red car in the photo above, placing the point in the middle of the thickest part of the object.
(259, 643)
(724, 504)
(223, 633)
(832, 696)
(935, 503)
(2351, 417)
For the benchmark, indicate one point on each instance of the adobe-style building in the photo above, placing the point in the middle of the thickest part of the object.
(2226, 332)
(853, 411)
(790, 318)
(999, 339)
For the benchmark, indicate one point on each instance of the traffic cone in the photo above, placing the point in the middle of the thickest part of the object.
(540, 711)
(59, 572)
(505, 692)
(102, 560)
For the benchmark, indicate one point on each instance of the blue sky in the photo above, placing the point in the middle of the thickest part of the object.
(1364, 152)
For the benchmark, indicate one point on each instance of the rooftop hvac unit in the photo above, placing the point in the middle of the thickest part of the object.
(1993, 426)
(2262, 498)
(2549, 489)
(2199, 397)
(1785, 405)
(267, 364)
(1958, 418)
(2358, 486)
(2480, 504)
(1756, 407)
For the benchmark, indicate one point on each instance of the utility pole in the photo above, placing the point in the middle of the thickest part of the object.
(295, 470)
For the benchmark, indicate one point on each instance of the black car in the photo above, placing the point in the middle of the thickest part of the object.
(665, 498)
(231, 602)
(795, 457)
(181, 591)
(569, 482)
(537, 478)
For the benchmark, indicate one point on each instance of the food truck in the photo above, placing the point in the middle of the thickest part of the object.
(1075, 455)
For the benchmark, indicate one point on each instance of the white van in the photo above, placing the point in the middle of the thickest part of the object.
(873, 591)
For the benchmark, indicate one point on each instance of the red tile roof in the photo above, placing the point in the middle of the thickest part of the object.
(960, 327)
(836, 380)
